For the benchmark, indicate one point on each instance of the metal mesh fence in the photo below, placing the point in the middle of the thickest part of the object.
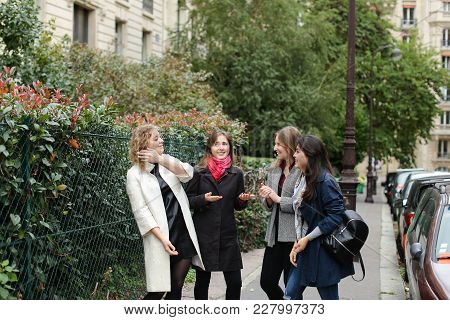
(68, 232)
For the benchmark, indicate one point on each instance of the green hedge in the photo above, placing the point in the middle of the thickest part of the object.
(66, 230)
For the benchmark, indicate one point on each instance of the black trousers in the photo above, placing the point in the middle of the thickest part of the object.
(275, 261)
(232, 279)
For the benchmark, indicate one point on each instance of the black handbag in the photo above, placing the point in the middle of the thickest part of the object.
(345, 243)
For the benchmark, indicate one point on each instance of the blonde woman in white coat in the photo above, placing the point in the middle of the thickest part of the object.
(161, 209)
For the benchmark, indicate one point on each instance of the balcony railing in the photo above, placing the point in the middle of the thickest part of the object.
(408, 23)
(443, 155)
(445, 43)
(148, 5)
(442, 126)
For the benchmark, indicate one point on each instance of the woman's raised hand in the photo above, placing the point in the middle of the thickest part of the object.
(149, 155)
(170, 249)
(210, 198)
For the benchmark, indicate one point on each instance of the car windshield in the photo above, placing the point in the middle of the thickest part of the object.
(443, 239)
(402, 177)
(408, 189)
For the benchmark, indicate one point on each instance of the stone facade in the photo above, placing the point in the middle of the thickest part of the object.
(133, 28)
(431, 20)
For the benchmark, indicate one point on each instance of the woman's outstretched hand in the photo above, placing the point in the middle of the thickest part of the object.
(170, 249)
(210, 198)
(246, 196)
(149, 155)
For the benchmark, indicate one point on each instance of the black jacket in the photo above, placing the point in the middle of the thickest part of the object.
(214, 222)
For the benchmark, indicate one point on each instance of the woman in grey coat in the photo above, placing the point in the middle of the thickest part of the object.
(276, 197)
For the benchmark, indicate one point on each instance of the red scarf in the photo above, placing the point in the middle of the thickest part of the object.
(217, 167)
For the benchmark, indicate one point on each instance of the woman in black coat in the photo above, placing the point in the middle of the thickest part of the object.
(319, 207)
(215, 191)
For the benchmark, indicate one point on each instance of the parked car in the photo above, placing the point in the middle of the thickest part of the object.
(388, 184)
(399, 182)
(427, 255)
(414, 188)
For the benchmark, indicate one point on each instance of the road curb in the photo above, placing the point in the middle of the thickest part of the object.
(391, 282)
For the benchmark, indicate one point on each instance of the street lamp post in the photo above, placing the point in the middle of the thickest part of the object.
(348, 181)
(371, 182)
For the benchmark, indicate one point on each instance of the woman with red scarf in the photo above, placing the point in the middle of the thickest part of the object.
(215, 191)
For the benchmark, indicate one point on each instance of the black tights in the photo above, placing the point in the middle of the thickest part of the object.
(275, 261)
(178, 272)
(232, 279)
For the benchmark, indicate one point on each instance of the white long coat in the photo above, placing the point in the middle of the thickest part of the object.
(149, 211)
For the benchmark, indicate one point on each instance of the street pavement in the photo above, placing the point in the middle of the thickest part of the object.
(382, 280)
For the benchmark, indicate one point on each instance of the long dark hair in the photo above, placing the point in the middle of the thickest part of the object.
(210, 142)
(318, 161)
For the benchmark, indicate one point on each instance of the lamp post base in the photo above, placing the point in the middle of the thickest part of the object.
(348, 187)
(369, 191)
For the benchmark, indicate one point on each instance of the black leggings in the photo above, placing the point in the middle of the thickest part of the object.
(178, 272)
(275, 261)
(232, 279)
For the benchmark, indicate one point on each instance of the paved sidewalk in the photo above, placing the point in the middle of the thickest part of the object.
(382, 281)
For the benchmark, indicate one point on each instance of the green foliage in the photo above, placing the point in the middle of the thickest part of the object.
(156, 86)
(192, 125)
(266, 60)
(64, 215)
(124, 282)
(19, 27)
(276, 63)
(8, 276)
(251, 225)
(400, 117)
(252, 221)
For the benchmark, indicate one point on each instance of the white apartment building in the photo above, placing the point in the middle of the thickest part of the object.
(134, 29)
(431, 20)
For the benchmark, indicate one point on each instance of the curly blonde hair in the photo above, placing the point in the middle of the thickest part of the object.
(139, 141)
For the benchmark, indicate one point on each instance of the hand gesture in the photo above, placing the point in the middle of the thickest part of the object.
(264, 191)
(170, 249)
(149, 155)
(246, 196)
(210, 198)
(268, 193)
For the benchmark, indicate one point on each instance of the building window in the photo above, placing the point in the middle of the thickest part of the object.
(445, 42)
(445, 118)
(444, 169)
(442, 149)
(120, 37)
(80, 24)
(446, 62)
(148, 5)
(408, 17)
(445, 94)
(446, 6)
(146, 44)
